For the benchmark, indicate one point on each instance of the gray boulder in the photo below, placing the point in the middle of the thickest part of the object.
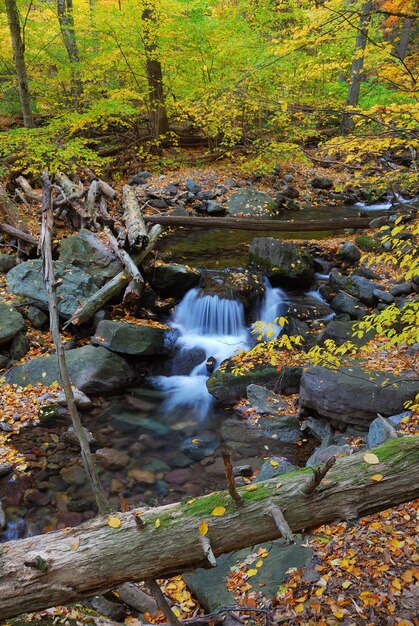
(284, 428)
(74, 285)
(228, 388)
(11, 322)
(250, 203)
(37, 318)
(92, 370)
(289, 380)
(20, 346)
(273, 467)
(344, 303)
(264, 400)
(88, 252)
(380, 431)
(356, 286)
(352, 395)
(135, 339)
(242, 285)
(349, 253)
(172, 279)
(321, 182)
(321, 455)
(285, 263)
(340, 332)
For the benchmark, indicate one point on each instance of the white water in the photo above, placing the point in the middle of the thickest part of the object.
(315, 293)
(385, 206)
(272, 307)
(216, 326)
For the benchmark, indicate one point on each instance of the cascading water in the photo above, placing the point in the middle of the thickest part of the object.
(215, 326)
(315, 293)
(272, 307)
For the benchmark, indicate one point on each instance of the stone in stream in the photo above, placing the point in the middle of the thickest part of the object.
(285, 263)
(87, 251)
(199, 448)
(356, 286)
(172, 279)
(307, 307)
(134, 339)
(344, 303)
(250, 203)
(11, 322)
(228, 388)
(92, 370)
(112, 459)
(74, 285)
(352, 395)
(380, 431)
(242, 285)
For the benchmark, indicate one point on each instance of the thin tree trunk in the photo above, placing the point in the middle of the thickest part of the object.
(159, 124)
(68, 32)
(66, 565)
(20, 65)
(357, 65)
(50, 283)
(404, 38)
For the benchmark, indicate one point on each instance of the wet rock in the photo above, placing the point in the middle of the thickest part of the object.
(228, 388)
(172, 279)
(340, 332)
(265, 400)
(356, 286)
(344, 303)
(250, 203)
(74, 285)
(307, 307)
(353, 395)
(285, 263)
(73, 475)
(321, 182)
(185, 360)
(37, 318)
(242, 285)
(178, 476)
(20, 346)
(273, 467)
(295, 327)
(134, 339)
(7, 261)
(380, 431)
(142, 476)
(200, 447)
(36, 497)
(281, 427)
(11, 323)
(112, 459)
(321, 455)
(180, 461)
(131, 422)
(349, 253)
(92, 370)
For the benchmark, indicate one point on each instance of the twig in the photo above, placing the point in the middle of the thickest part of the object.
(232, 488)
(162, 603)
(317, 476)
(281, 522)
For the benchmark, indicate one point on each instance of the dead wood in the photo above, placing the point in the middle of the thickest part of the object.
(133, 219)
(19, 234)
(31, 194)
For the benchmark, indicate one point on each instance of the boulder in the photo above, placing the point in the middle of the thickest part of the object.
(356, 286)
(11, 323)
(37, 318)
(250, 203)
(380, 431)
(19, 347)
(284, 428)
(200, 447)
(285, 263)
(273, 467)
(74, 285)
(349, 253)
(134, 339)
(289, 380)
(321, 182)
(307, 307)
(172, 279)
(92, 370)
(242, 285)
(228, 388)
(321, 455)
(264, 400)
(353, 395)
(340, 332)
(344, 303)
(87, 251)
(192, 186)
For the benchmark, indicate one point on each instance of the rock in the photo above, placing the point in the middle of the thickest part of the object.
(377, 222)
(142, 476)
(383, 296)
(37, 318)
(264, 400)
(199, 448)
(178, 476)
(134, 339)
(380, 431)
(295, 327)
(186, 359)
(206, 195)
(112, 610)
(285, 263)
(321, 455)
(242, 285)
(344, 303)
(349, 253)
(228, 388)
(215, 208)
(172, 279)
(291, 192)
(243, 470)
(74, 285)
(73, 475)
(87, 251)
(80, 398)
(397, 420)
(341, 332)
(307, 307)
(70, 436)
(192, 186)
(112, 459)
(4, 361)
(130, 422)
(319, 429)
(289, 380)
(250, 203)
(367, 243)
(321, 182)
(20, 346)
(7, 261)
(273, 467)
(284, 428)
(92, 370)
(402, 289)
(356, 286)
(352, 395)
(140, 178)
(11, 323)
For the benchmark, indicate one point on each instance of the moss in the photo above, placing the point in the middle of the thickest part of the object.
(367, 243)
(394, 447)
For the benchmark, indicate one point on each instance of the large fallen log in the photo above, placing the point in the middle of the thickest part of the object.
(133, 219)
(63, 566)
(244, 223)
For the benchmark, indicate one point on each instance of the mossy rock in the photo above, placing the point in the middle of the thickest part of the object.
(228, 388)
(367, 243)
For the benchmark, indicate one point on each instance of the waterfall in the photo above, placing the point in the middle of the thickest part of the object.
(273, 305)
(217, 327)
(315, 293)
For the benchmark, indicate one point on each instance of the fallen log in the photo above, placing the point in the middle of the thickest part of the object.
(31, 194)
(244, 223)
(136, 286)
(63, 566)
(113, 287)
(133, 219)
(19, 234)
(107, 190)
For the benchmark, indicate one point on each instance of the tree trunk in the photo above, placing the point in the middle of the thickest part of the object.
(159, 124)
(68, 33)
(404, 38)
(133, 219)
(357, 65)
(20, 65)
(63, 566)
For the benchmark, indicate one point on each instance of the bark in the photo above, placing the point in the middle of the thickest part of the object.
(137, 283)
(133, 219)
(107, 190)
(51, 285)
(72, 196)
(113, 287)
(68, 33)
(30, 193)
(19, 234)
(404, 38)
(20, 64)
(242, 223)
(357, 64)
(63, 566)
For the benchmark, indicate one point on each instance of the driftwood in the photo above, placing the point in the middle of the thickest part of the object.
(19, 234)
(72, 196)
(66, 565)
(244, 223)
(136, 285)
(107, 190)
(133, 219)
(31, 194)
(113, 287)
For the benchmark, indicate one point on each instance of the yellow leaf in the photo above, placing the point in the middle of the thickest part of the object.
(371, 459)
(191, 501)
(75, 545)
(259, 563)
(338, 614)
(114, 522)
(219, 511)
(299, 608)
(196, 441)
(274, 463)
(203, 528)
(377, 477)
(396, 584)
(157, 522)
(251, 572)
(346, 584)
(176, 611)
(251, 488)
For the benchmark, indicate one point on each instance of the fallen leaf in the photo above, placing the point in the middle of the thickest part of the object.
(251, 572)
(157, 523)
(203, 528)
(114, 522)
(251, 488)
(219, 511)
(259, 563)
(75, 545)
(371, 459)
(377, 477)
